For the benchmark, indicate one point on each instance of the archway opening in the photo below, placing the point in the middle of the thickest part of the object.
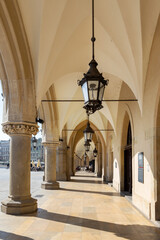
(128, 162)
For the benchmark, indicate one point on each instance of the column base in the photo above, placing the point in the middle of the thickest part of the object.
(19, 206)
(104, 179)
(50, 185)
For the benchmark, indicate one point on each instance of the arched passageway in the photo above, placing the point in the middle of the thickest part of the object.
(76, 142)
(42, 56)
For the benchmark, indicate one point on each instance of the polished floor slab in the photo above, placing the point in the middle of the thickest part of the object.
(83, 208)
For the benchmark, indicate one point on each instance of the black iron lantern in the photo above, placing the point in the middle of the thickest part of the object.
(87, 146)
(93, 83)
(95, 152)
(88, 133)
(34, 142)
(85, 157)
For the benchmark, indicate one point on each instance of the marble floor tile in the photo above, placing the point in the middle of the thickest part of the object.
(82, 209)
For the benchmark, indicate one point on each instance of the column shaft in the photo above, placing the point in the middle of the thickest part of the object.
(61, 163)
(50, 166)
(20, 166)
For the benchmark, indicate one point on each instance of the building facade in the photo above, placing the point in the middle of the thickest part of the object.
(37, 153)
(4, 151)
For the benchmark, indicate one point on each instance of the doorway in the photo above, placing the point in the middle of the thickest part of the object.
(128, 162)
(157, 204)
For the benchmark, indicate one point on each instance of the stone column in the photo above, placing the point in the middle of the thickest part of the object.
(61, 173)
(19, 200)
(50, 166)
(96, 165)
(104, 160)
(73, 166)
(99, 158)
(68, 174)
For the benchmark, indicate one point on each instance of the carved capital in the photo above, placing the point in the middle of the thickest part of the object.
(21, 128)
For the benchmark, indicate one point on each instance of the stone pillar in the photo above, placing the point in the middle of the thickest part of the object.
(99, 158)
(61, 171)
(68, 168)
(19, 200)
(105, 162)
(73, 166)
(96, 165)
(50, 166)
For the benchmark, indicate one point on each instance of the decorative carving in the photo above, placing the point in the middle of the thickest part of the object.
(20, 128)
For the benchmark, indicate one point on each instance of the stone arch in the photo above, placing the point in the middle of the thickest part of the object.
(48, 112)
(16, 71)
(74, 139)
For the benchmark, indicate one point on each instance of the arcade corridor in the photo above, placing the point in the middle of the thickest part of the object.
(83, 208)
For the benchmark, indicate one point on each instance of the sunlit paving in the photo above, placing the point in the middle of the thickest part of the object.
(83, 208)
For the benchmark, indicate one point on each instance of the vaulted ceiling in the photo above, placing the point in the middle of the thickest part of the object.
(59, 33)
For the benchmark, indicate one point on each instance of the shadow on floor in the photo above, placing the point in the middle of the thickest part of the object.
(87, 181)
(12, 236)
(130, 232)
(94, 192)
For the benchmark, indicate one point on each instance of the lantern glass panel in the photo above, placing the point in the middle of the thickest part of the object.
(93, 89)
(85, 136)
(85, 92)
(101, 91)
(88, 136)
(87, 148)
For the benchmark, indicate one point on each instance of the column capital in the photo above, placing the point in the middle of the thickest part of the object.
(53, 145)
(20, 128)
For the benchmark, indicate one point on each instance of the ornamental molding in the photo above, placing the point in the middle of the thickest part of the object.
(20, 128)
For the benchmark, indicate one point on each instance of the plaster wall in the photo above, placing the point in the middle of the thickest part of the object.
(143, 135)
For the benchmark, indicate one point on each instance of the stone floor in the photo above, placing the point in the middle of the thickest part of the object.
(83, 208)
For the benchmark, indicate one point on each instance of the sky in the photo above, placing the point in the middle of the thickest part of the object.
(4, 136)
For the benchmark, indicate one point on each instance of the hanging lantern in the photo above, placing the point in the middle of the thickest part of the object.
(85, 157)
(34, 142)
(87, 146)
(95, 152)
(88, 133)
(93, 83)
